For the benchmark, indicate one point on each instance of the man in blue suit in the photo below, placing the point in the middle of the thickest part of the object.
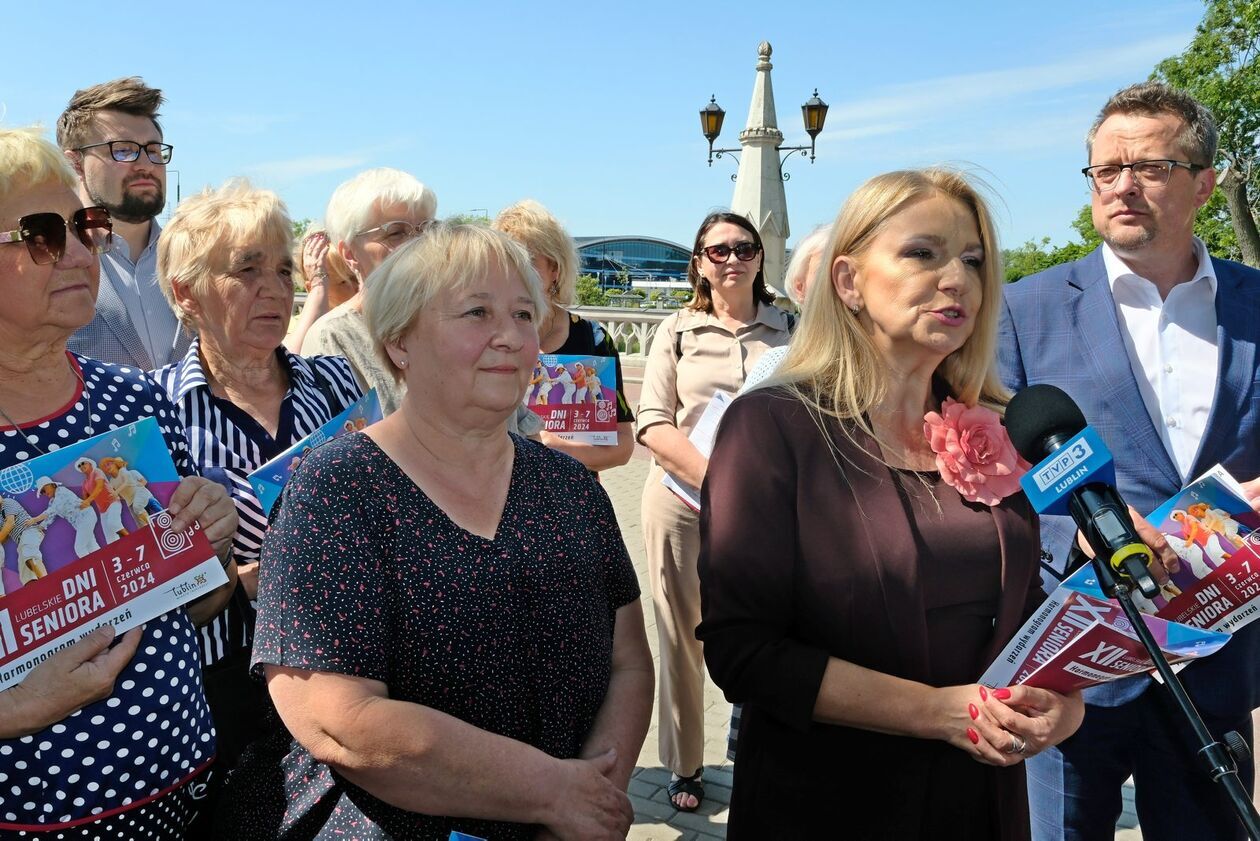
(1156, 341)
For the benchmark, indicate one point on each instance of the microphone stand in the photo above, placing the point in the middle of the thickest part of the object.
(1221, 759)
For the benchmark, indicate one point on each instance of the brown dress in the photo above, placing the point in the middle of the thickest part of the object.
(810, 553)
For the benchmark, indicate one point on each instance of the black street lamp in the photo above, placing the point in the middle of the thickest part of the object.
(814, 112)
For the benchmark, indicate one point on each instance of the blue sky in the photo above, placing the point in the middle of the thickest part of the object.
(592, 108)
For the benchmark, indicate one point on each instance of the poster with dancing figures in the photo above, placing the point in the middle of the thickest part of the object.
(268, 481)
(576, 397)
(1212, 528)
(1079, 637)
(87, 541)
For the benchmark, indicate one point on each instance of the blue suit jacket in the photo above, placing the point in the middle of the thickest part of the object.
(1060, 327)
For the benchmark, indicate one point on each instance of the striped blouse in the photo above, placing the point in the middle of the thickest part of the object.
(227, 445)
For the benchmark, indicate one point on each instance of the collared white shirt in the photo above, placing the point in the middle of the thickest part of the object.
(1172, 349)
(137, 287)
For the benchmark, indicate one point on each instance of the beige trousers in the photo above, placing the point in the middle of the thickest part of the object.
(671, 534)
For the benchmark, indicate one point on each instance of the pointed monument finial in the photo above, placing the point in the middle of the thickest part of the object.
(763, 56)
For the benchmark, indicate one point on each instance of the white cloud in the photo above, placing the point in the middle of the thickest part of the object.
(915, 102)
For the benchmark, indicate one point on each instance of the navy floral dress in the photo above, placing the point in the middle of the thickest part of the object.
(363, 575)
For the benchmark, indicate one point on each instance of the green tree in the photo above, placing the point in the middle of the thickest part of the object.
(1033, 257)
(1212, 225)
(590, 293)
(1221, 68)
(300, 227)
(467, 219)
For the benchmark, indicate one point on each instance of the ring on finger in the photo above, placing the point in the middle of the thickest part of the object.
(1018, 745)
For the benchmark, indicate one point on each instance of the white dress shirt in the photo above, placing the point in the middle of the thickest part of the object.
(1172, 349)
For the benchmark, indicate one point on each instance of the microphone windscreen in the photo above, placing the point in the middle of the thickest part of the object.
(1038, 414)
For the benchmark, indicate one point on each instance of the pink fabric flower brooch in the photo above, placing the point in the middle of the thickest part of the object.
(973, 452)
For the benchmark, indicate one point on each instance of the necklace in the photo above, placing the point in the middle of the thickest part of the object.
(87, 427)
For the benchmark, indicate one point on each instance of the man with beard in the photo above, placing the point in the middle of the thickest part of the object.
(111, 136)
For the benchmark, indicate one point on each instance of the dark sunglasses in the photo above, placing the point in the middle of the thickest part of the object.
(45, 233)
(126, 151)
(743, 252)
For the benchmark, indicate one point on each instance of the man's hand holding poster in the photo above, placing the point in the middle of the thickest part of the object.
(87, 541)
(1079, 637)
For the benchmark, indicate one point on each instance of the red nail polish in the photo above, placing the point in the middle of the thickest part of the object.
(975, 713)
(973, 736)
(1001, 694)
(984, 696)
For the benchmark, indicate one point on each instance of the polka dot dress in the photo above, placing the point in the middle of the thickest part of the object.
(122, 762)
(363, 575)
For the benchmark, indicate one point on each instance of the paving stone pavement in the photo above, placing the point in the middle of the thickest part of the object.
(655, 818)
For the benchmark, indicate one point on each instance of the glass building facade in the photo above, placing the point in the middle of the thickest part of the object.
(621, 261)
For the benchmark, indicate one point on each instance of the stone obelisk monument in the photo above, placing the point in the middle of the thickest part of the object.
(759, 185)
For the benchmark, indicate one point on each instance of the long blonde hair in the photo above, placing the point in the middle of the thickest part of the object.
(833, 367)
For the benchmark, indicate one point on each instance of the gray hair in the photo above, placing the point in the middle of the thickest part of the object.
(353, 202)
(1198, 136)
(810, 245)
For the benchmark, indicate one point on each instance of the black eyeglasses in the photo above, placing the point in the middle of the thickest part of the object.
(126, 151)
(743, 251)
(397, 231)
(45, 233)
(1153, 173)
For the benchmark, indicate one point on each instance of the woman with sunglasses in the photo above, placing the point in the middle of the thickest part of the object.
(709, 346)
(97, 741)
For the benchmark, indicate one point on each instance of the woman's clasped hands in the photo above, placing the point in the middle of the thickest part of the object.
(588, 805)
(1007, 725)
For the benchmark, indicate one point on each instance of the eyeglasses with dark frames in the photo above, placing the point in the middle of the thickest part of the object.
(721, 253)
(45, 233)
(1153, 173)
(398, 231)
(126, 151)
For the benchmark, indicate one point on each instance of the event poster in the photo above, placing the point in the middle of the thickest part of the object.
(575, 397)
(1076, 640)
(268, 481)
(1212, 528)
(1079, 637)
(87, 541)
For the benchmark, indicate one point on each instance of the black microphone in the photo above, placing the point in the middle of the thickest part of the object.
(1044, 424)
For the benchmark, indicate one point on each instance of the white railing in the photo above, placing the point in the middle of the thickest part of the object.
(632, 329)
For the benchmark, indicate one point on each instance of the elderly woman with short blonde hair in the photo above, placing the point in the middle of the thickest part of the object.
(445, 652)
(225, 266)
(72, 719)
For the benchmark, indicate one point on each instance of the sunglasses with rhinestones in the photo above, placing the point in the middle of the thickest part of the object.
(45, 233)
